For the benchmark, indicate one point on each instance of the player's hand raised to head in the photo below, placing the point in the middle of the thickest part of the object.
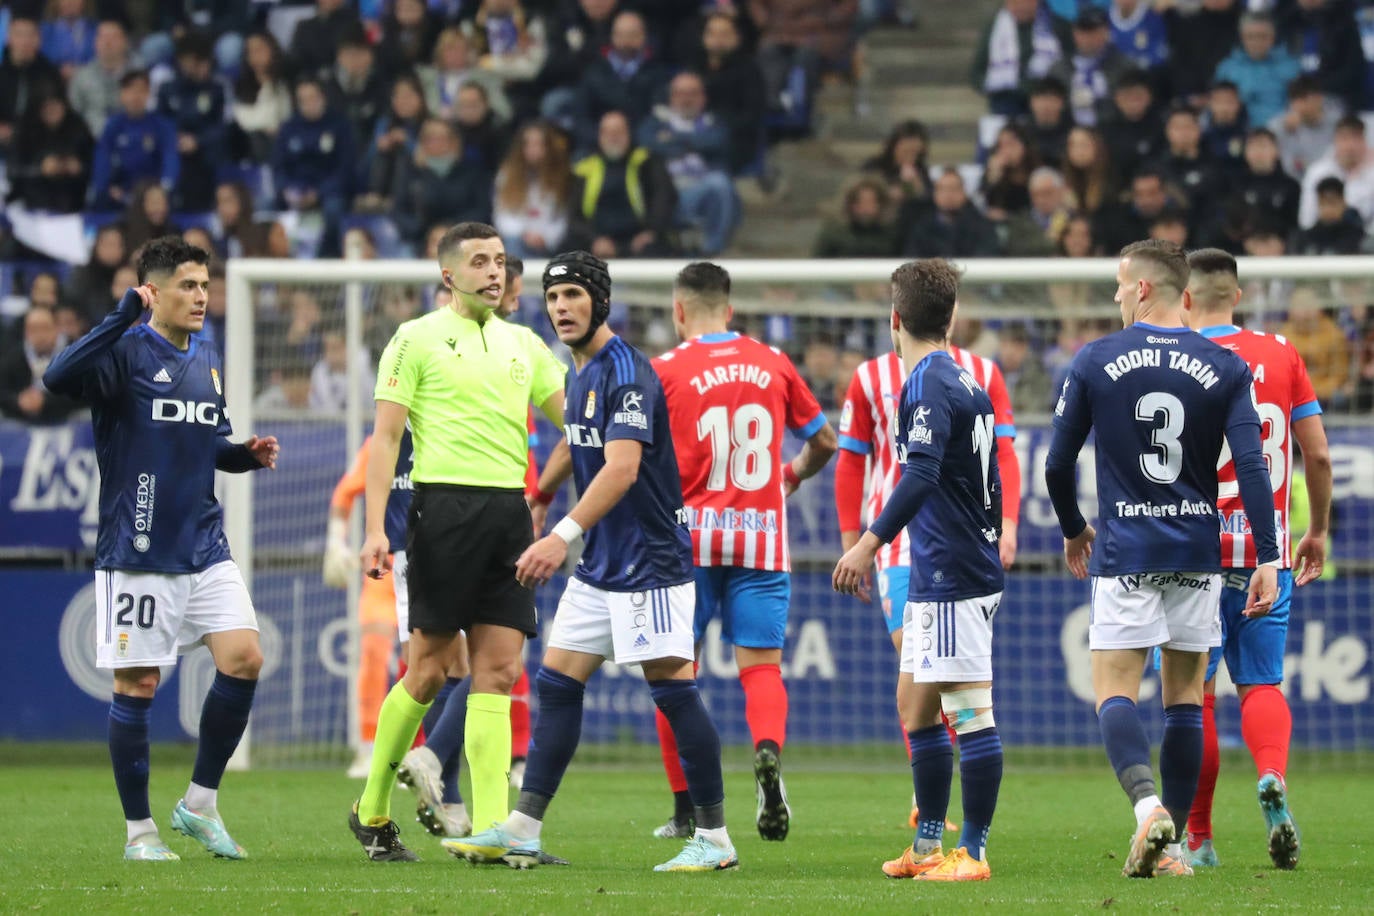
(1264, 591)
(376, 555)
(540, 561)
(145, 292)
(1309, 559)
(265, 449)
(1078, 550)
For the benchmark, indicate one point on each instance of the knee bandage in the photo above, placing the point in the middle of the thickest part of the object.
(961, 709)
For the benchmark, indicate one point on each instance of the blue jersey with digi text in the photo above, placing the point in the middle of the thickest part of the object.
(945, 414)
(159, 417)
(1160, 401)
(643, 542)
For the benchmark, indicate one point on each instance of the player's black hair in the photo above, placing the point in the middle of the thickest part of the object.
(923, 295)
(1181, 108)
(1351, 122)
(163, 255)
(1168, 262)
(1133, 78)
(515, 267)
(134, 76)
(1213, 261)
(586, 270)
(710, 283)
(1303, 85)
(457, 235)
(1331, 185)
(1256, 132)
(1048, 85)
(1226, 85)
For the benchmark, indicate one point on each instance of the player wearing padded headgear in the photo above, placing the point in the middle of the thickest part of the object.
(630, 599)
(949, 498)
(464, 379)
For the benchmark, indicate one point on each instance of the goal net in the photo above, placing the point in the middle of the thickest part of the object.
(303, 339)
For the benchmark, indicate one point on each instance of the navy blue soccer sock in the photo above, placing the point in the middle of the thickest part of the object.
(222, 721)
(932, 772)
(698, 744)
(1128, 747)
(1180, 759)
(554, 740)
(439, 704)
(445, 738)
(980, 776)
(128, 735)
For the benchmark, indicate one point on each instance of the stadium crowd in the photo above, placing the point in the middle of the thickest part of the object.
(622, 127)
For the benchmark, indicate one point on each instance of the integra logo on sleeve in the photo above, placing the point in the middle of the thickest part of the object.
(170, 410)
(632, 411)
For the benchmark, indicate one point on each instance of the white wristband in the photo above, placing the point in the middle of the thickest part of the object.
(568, 529)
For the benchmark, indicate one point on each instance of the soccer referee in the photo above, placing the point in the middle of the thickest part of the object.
(463, 379)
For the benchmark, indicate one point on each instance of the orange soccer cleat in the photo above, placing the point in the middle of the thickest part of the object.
(1156, 832)
(907, 865)
(958, 866)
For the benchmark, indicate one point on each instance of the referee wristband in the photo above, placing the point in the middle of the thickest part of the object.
(568, 529)
(540, 497)
(789, 474)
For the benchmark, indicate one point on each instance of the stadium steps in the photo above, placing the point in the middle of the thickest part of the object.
(914, 74)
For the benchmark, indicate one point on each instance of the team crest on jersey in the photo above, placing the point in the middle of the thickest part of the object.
(214, 377)
(122, 646)
(519, 372)
(591, 405)
(141, 543)
(846, 416)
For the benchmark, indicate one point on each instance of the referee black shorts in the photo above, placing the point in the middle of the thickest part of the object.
(461, 548)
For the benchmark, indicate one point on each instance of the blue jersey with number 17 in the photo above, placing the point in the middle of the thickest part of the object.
(945, 414)
(643, 542)
(1161, 402)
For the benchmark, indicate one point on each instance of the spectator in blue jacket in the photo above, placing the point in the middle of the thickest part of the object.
(625, 78)
(69, 36)
(136, 144)
(1260, 70)
(194, 101)
(313, 161)
(1139, 33)
(695, 146)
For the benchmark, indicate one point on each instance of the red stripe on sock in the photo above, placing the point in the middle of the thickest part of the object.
(520, 716)
(1267, 725)
(765, 703)
(667, 746)
(1200, 817)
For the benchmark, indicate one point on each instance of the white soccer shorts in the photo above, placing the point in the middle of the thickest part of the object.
(145, 620)
(402, 590)
(625, 627)
(1142, 610)
(948, 641)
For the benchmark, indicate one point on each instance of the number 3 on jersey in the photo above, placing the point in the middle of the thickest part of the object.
(739, 446)
(1165, 414)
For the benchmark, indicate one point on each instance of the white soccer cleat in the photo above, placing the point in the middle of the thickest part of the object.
(424, 773)
(447, 820)
(517, 774)
(362, 762)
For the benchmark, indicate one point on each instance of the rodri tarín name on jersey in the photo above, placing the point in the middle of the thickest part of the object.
(1205, 375)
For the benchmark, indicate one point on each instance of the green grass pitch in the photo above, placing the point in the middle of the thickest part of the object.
(1057, 845)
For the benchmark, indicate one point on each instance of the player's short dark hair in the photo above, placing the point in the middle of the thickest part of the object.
(134, 76)
(1331, 185)
(1134, 78)
(163, 255)
(1047, 85)
(1213, 261)
(1256, 133)
(1181, 108)
(1303, 85)
(1225, 85)
(709, 283)
(1351, 122)
(1166, 261)
(515, 267)
(457, 235)
(923, 295)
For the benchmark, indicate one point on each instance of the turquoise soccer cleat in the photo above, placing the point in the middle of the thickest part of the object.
(1285, 841)
(149, 848)
(1205, 856)
(209, 831)
(700, 854)
(495, 845)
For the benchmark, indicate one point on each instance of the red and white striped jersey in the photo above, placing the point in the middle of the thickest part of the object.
(868, 422)
(725, 394)
(1283, 395)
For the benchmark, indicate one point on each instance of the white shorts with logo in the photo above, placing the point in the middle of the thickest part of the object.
(145, 620)
(948, 641)
(1143, 610)
(398, 583)
(625, 627)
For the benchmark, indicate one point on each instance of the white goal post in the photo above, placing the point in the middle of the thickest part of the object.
(304, 720)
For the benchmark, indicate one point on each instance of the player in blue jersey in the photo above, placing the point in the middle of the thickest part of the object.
(632, 596)
(949, 498)
(164, 579)
(1163, 401)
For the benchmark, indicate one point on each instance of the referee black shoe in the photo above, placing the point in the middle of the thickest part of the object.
(382, 843)
(774, 816)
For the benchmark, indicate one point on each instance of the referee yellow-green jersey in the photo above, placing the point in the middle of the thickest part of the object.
(468, 388)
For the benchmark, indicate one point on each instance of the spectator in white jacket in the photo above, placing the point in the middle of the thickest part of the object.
(262, 99)
(1352, 161)
(532, 192)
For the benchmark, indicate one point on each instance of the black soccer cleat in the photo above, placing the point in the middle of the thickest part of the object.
(381, 843)
(548, 858)
(774, 816)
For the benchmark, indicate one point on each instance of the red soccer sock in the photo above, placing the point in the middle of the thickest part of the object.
(1200, 816)
(374, 658)
(667, 745)
(953, 735)
(765, 703)
(1267, 725)
(520, 717)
